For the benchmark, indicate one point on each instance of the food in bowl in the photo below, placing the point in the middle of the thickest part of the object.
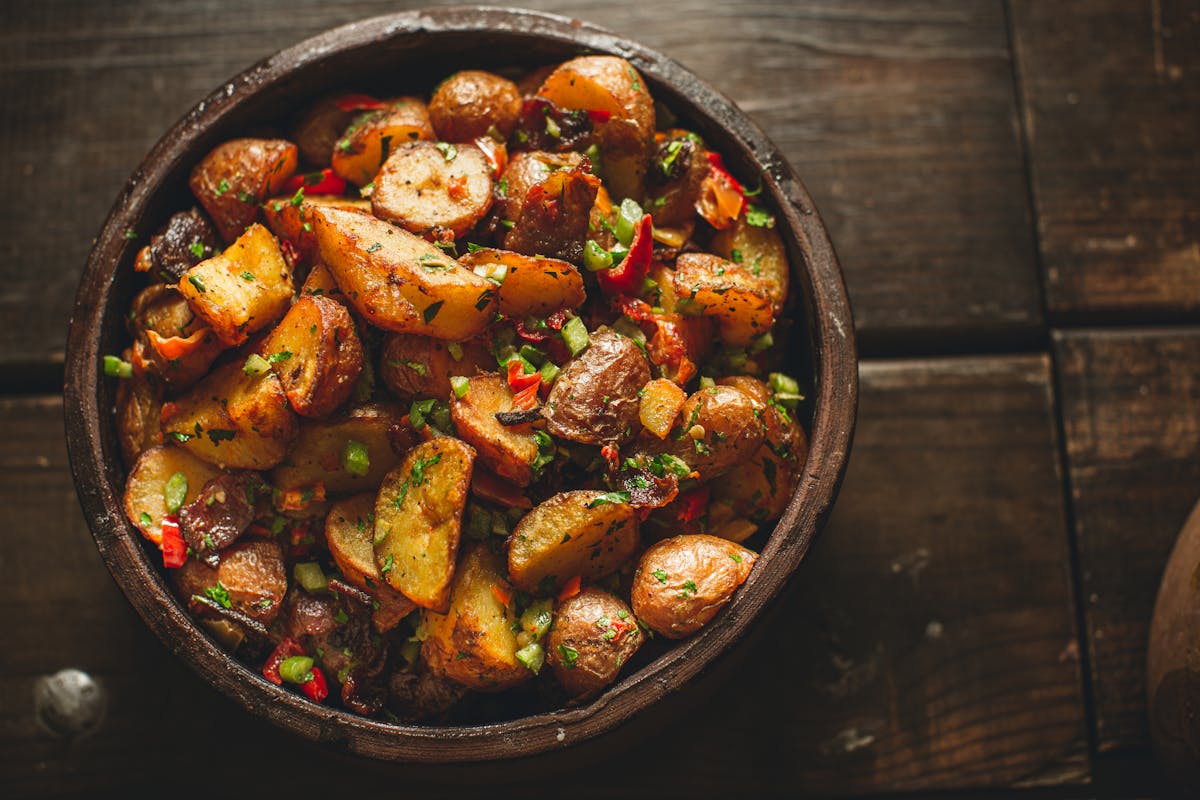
(435, 399)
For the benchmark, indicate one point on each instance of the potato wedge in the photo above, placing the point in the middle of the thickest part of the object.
(237, 176)
(292, 222)
(145, 503)
(415, 366)
(432, 188)
(320, 282)
(349, 532)
(474, 643)
(418, 519)
(317, 456)
(595, 400)
(316, 353)
(242, 290)
(319, 128)
(139, 411)
(554, 216)
(585, 532)
(682, 582)
(737, 300)
(509, 451)
(170, 342)
(759, 250)
(474, 103)
(660, 405)
(366, 143)
(533, 285)
(232, 419)
(399, 281)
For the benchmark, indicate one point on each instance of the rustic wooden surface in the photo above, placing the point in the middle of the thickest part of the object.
(973, 621)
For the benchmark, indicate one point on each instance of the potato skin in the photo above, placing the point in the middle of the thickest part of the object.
(612, 367)
(414, 366)
(732, 432)
(681, 583)
(603, 634)
(554, 216)
(525, 170)
(672, 195)
(236, 176)
(326, 355)
(434, 188)
(139, 411)
(470, 103)
(533, 285)
(318, 130)
(359, 153)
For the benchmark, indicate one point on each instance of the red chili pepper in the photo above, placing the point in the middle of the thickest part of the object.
(518, 380)
(290, 256)
(692, 505)
(495, 152)
(323, 182)
(569, 589)
(174, 549)
(527, 334)
(620, 628)
(526, 399)
(629, 276)
(359, 102)
(599, 116)
(316, 689)
(611, 456)
(286, 648)
(503, 594)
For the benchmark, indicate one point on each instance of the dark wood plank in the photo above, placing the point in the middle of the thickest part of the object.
(928, 644)
(1112, 106)
(899, 116)
(1131, 411)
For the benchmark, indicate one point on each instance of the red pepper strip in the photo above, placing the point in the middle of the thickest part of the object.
(172, 347)
(286, 648)
(316, 689)
(598, 115)
(517, 379)
(692, 505)
(637, 310)
(327, 183)
(174, 549)
(359, 102)
(628, 276)
(502, 594)
(569, 590)
(290, 256)
(621, 627)
(528, 335)
(526, 399)
(495, 152)
(611, 456)
(721, 196)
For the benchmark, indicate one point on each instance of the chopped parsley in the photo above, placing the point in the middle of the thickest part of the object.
(432, 310)
(219, 594)
(389, 564)
(199, 284)
(569, 655)
(279, 357)
(660, 574)
(197, 249)
(759, 217)
(609, 497)
(419, 467)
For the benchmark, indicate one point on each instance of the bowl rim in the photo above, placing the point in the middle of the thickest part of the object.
(835, 407)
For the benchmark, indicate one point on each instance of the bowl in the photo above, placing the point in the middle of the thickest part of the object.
(420, 46)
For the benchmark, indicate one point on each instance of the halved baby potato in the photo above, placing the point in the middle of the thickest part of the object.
(554, 216)
(531, 285)
(319, 454)
(682, 582)
(145, 503)
(474, 103)
(237, 176)
(373, 135)
(316, 353)
(509, 450)
(427, 187)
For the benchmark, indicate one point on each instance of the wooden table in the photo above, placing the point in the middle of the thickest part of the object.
(1014, 191)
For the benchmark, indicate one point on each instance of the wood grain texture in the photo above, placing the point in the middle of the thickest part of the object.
(1131, 413)
(1111, 96)
(900, 117)
(927, 644)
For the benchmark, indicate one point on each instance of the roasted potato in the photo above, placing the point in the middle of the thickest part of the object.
(170, 342)
(316, 353)
(554, 216)
(222, 511)
(319, 128)
(145, 502)
(399, 281)
(610, 84)
(730, 293)
(237, 176)
(718, 430)
(350, 533)
(509, 451)
(526, 170)
(433, 188)
(595, 398)
(242, 290)
(187, 239)
(233, 419)
(255, 576)
(532, 285)
(759, 250)
(593, 637)
(474, 103)
(320, 282)
(682, 582)
(417, 694)
(418, 520)
(660, 405)
(416, 366)
(473, 643)
(584, 533)
(373, 135)
(677, 169)
(291, 222)
(319, 454)
(139, 411)
(782, 433)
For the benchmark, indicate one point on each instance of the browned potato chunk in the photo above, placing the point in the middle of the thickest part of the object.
(320, 282)
(554, 216)
(319, 129)
(783, 433)
(532, 285)
(399, 281)
(139, 409)
(420, 366)
(232, 419)
(677, 170)
(318, 457)
(509, 450)
(594, 636)
(256, 578)
(373, 135)
(316, 353)
(659, 409)
(243, 290)
(586, 533)
(292, 222)
(760, 250)
(145, 503)
(474, 643)
(719, 430)
(232, 180)
(609, 83)
(474, 103)
(682, 582)
(418, 519)
(349, 532)
(595, 397)
(431, 188)
(170, 341)
(526, 170)
(735, 298)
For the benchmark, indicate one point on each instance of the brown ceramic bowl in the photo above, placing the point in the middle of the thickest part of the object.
(417, 49)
